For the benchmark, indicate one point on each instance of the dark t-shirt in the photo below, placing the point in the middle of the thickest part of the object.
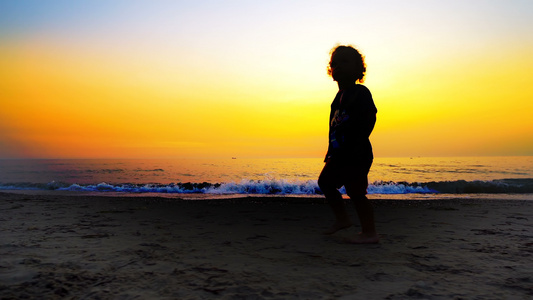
(351, 120)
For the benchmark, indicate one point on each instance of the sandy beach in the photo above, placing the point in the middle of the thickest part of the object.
(93, 247)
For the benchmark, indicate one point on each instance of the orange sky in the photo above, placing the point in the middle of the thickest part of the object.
(247, 79)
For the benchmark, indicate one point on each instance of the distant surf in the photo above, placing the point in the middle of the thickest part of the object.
(286, 187)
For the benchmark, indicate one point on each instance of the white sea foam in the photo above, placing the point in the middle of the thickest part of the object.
(266, 187)
(271, 186)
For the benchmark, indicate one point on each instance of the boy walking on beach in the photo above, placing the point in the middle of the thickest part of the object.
(349, 156)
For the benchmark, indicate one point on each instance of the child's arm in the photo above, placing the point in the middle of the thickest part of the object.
(362, 116)
(367, 125)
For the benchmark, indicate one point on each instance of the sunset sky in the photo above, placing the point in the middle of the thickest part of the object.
(162, 79)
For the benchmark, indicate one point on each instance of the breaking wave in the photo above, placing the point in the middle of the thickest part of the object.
(285, 187)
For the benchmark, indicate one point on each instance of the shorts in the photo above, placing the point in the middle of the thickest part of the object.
(353, 175)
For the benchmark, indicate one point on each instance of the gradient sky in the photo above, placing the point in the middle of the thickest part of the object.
(159, 79)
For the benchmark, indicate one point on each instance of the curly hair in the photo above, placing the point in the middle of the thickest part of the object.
(360, 70)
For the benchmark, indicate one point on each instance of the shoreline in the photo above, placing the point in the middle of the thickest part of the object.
(293, 197)
(59, 246)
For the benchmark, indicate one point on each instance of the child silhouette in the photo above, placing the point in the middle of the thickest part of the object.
(349, 156)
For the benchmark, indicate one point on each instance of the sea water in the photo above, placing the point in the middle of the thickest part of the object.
(400, 178)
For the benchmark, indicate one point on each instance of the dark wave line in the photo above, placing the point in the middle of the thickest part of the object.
(310, 187)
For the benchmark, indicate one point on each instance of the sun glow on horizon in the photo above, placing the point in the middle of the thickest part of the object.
(193, 82)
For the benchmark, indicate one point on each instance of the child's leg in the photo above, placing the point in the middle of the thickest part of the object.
(365, 212)
(327, 181)
(356, 190)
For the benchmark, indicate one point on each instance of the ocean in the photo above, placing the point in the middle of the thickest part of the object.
(390, 178)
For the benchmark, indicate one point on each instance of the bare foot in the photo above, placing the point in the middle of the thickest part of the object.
(364, 239)
(336, 227)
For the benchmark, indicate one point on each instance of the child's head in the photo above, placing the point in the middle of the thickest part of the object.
(346, 64)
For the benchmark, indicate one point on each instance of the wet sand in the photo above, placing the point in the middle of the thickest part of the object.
(87, 247)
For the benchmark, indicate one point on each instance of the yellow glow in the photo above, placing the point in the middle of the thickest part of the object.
(94, 107)
(264, 92)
